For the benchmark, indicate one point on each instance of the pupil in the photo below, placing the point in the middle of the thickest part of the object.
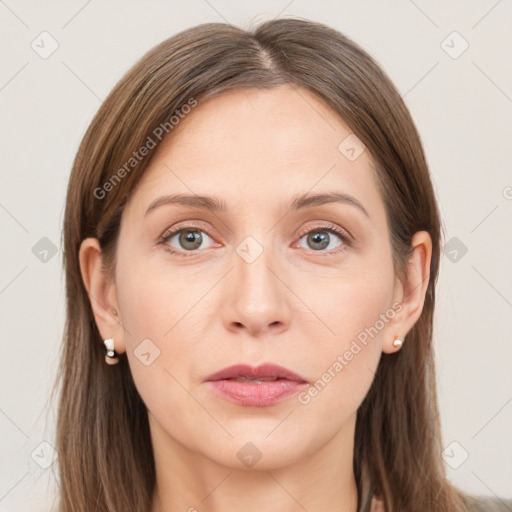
(191, 237)
(320, 238)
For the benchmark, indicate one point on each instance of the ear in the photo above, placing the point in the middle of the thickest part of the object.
(410, 291)
(102, 293)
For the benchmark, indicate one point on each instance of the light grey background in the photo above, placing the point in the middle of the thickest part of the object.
(462, 107)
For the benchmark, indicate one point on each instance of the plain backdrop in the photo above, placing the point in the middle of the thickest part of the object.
(451, 63)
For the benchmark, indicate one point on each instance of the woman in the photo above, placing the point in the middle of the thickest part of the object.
(252, 243)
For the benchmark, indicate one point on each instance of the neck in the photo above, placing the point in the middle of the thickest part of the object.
(188, 481)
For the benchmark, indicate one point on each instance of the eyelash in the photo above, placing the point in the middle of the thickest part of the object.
(343, 235)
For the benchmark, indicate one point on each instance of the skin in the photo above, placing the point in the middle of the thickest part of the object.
(293, 305)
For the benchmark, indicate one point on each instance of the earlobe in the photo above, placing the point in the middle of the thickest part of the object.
(101, 291)
(412, 290)
(397, 342)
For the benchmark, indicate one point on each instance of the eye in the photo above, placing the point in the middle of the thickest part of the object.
(188, 238)
(321, 237)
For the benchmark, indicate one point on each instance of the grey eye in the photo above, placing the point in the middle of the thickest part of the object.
(188, 239)
(318, 240)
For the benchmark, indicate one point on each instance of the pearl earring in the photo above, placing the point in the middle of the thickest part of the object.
(111, 356)
(397, 342)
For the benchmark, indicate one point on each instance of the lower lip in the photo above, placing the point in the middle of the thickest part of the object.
(256, 394)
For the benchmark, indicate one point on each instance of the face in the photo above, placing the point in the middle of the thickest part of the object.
(268, 278)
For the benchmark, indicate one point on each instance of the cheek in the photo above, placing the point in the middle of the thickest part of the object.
(163, 311)
(353, 301)
(155, 298)
(355, 313)
(157, 311)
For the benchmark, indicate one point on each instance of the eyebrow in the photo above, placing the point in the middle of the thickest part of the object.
(215, 204)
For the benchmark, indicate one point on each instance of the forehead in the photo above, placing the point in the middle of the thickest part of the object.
(254, 146)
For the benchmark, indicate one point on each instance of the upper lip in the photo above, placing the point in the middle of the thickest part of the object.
(263, 371)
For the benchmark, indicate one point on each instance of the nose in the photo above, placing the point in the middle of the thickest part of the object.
(257, 298)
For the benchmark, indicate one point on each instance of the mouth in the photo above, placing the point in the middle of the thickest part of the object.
(260, 386)
(263, 373)
(255, 381)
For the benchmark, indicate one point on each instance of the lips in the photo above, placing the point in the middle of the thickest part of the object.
(262, 386)
(265, 372)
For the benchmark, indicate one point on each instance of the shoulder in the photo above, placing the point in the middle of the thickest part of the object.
(488, 504)
(473, 504)
(377, 506)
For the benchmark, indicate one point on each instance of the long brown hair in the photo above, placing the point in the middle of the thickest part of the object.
(105, 454)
